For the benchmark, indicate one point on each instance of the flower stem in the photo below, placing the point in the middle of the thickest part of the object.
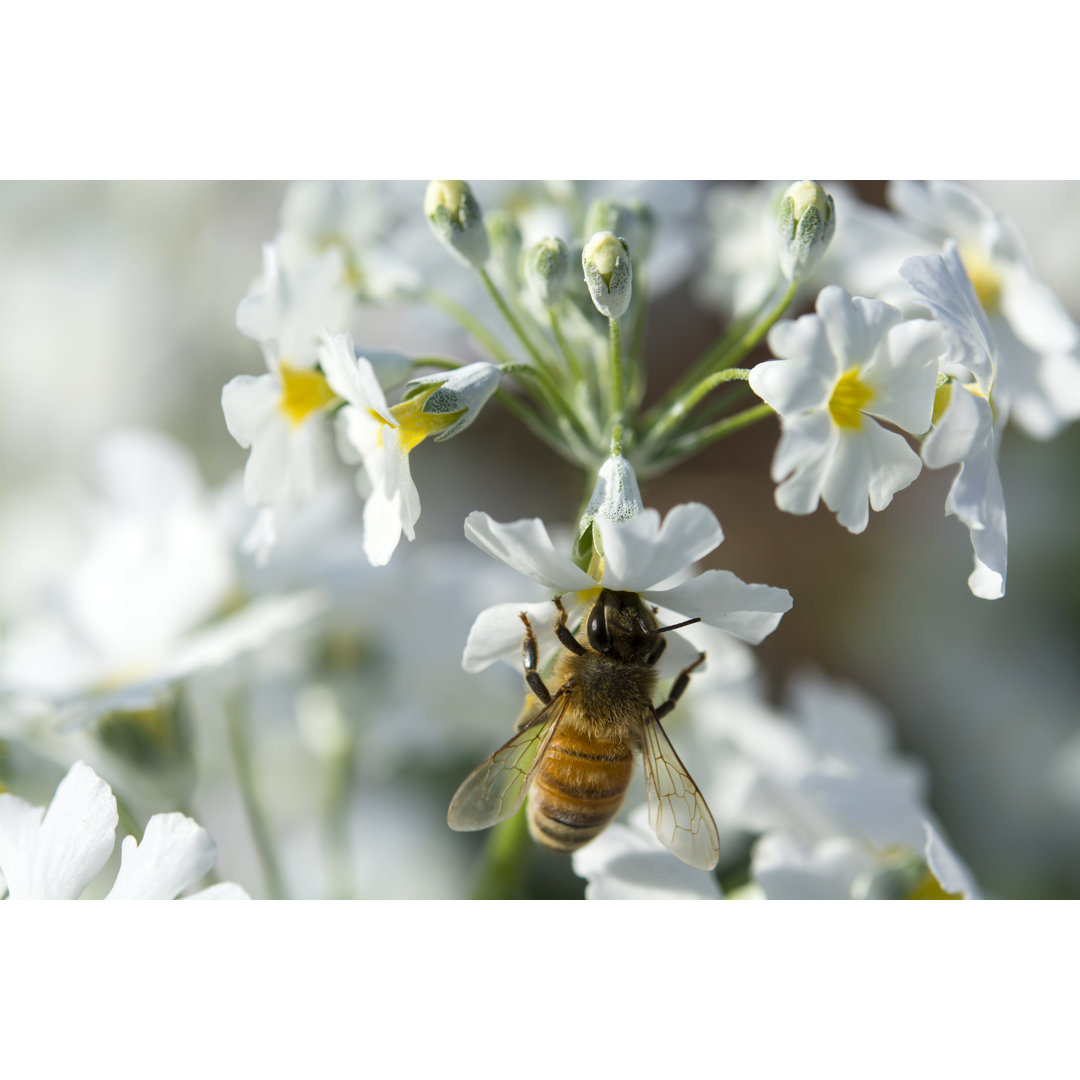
(511, 318)
(336, 846)
(685, 405)
(504, 864)
(469, 322)
(240, 747)
(698, 440)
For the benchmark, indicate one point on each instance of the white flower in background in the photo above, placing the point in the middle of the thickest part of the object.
(381, 437)
(837, 814)
(355, 217)
(1038, 343)
(280, 415)
(637, 554)
(841, 370)
(628, 862)
(137, 611)
(55, 854)
(965, 427)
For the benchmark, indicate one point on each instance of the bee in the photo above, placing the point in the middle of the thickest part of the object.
(573, 751)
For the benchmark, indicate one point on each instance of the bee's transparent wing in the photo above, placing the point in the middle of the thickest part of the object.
(496, 788)
(677, 810)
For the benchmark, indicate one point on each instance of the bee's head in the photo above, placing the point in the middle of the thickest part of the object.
(621, 625)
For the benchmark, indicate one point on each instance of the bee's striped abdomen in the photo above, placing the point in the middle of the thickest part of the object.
(578, 789)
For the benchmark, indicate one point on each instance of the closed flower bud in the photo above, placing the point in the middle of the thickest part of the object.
(504, 236)
(608, 274)
(455, 218)
(806, 222)
(616, 497)
(446, 393)
(547, 269)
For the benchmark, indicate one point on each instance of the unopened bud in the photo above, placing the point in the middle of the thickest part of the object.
(504, 236)
(608, 274)
(547, 269)
(805, 224)
(457, 395)
(456, 219)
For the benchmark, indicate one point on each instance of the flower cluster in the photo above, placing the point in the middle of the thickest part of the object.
(269, 658)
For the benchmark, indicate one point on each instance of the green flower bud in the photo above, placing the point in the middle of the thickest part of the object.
(547, 269)
(504, 236)
(805, 222)
(456, 219)
(608, 274)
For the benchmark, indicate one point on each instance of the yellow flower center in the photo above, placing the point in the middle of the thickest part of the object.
(415, 425)
(303, 391)
(929, 888)
(849, 397)
(942, 397)
(984, 278)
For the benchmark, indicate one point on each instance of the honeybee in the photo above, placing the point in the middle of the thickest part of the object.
(573, 749)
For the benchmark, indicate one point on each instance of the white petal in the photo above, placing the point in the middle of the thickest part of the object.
(871, 464)
(787, 870)
(175, 852)
(952, 875)
(853, 325)
(719, 598)
(903, 375)
(804, 377)
(640, 552)
(352, 378)
(498, 632)
(807, 446)
(625, 863)
(526, 547)
(247, 401)
(394, 505)
(56, 857)
(964, 426)
(225, 890)
(1037, 316)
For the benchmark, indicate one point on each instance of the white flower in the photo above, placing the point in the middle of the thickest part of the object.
(139, 609)
(638, 555)
(381, 437)
(852, 362)
(839, 812)
(1038, 343)
(55, 854)
(628, 862)
(280, 415)
(965, 431)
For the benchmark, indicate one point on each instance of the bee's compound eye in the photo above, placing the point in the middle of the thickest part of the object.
(597, 629)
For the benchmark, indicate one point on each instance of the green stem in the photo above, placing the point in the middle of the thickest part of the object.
(556, 401)
(503, 872)
(698, 440)
(337, 850)
(544, 431)
(240, 747)
(444, 363)
(511, 318)
(615, 352)
(685, 405)
(468, 321)
(572, 361)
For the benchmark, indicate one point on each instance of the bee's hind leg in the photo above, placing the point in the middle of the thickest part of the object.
(678, 688)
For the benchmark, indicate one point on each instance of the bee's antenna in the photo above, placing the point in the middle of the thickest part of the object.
(674, 626)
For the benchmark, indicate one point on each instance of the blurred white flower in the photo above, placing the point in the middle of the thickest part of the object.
(966, 430)
(841, 370)
(1038, 343)
(55, 854)
(142, 608)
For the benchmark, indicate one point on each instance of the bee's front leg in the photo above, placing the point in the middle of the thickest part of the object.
(678, 688)
(530, 660)
(562, 631)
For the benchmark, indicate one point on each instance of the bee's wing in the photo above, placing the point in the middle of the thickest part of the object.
(495, 789)
(677, 810)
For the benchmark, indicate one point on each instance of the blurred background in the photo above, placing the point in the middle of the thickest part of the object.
(117, 310)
